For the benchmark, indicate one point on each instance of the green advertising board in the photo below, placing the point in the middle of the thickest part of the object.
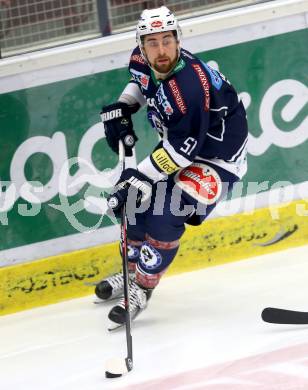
(45, 126)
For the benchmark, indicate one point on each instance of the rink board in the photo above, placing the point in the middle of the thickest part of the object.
(216, 242)
(67, 127)
(69, 85)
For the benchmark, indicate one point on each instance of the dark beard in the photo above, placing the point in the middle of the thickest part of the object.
(165, 68)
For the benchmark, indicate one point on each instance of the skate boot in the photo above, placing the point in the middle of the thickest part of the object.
(112, 287)
(138, 298)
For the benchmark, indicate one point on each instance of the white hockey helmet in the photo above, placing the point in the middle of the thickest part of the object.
(155, 21)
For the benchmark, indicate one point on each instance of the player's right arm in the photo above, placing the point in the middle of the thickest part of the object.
(117, 118)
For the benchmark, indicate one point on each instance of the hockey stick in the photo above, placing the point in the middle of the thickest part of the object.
(118, 366)
(275, 315)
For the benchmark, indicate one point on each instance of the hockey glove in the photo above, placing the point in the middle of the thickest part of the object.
(119, 126)
(132, 185)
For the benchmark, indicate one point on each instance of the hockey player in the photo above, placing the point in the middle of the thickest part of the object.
(201, 153)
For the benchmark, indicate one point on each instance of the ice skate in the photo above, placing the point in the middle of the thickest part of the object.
(111, 287)
(138, 298)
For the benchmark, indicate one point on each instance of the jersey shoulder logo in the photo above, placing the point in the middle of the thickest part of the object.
(140, 78)
(138, 59)
(215, 76)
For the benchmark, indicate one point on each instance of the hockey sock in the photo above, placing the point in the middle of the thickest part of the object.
(154, 259)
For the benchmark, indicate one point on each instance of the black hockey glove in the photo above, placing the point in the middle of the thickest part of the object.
(119, 126)
(132, 185)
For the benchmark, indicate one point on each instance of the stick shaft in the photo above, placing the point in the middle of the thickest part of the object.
(129, 340)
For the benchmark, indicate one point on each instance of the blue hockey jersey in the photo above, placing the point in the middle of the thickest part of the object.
(196, 111)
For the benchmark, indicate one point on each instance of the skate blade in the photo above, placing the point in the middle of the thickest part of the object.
(112, 326)
(98, 301)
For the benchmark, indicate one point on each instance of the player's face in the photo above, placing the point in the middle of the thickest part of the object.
(161, 50)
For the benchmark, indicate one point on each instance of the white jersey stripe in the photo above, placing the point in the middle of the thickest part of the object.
(147, 168)
(239, 152)
(132, 94)
(180, 160)
(219, 109)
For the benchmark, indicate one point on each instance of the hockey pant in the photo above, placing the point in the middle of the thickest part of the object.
(185, 198)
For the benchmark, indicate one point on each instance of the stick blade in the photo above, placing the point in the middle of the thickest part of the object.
(275, 315)
(117, 367)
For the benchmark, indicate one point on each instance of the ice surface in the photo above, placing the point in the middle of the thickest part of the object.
(201, 330)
